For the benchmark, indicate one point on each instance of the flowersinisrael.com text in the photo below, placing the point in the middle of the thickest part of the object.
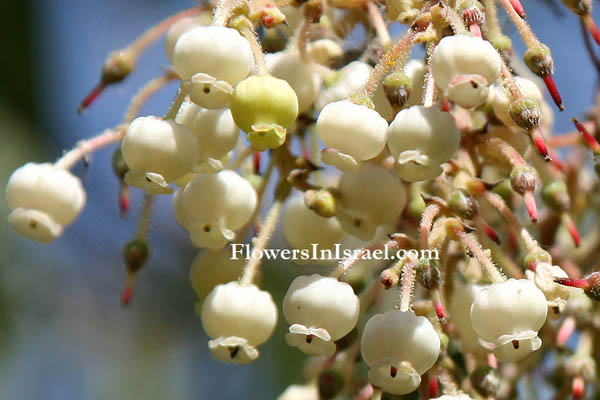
(246, 252)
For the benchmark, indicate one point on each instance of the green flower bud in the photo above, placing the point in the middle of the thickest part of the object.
(538, 255)
(264, 106)
(135, 254)
(463, 204)
(397, 87)
(555, 195)
(117, 66)
(526, 113)
(539, 60)
(321, 202)
(503, 44)
(119, 165)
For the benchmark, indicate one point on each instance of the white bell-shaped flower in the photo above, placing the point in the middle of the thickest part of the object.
(354, 131)
(179, 28)
(216, 132)
(508, 315)
(421, 139)
(214, 267)
(288, 66)
(460, 396)
(399, 347)
(238, 318)
(556, 295)
(501, 98)
(460, 315)
(464, 67)
(369, 197)
(212, 60)
(320, 310)
(43, 199)
(157, 152)
(303, 229)
(212, 206)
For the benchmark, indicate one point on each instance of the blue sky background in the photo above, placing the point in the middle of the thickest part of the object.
(63, 334)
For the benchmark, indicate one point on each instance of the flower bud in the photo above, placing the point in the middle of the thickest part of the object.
(271, 16)
(397, 87)
(555, 195)
(523, 179)
(537, 255)
(136, 254)
(525, 113)
(485, 381)
(264, 106)
(539, 60)
(503, 44)
(330, 383)
(119, 165)
(463, 204)
(428, 274)
(579, 7)
(321, 201)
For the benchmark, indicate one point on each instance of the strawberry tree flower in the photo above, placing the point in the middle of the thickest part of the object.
(263, 107)
(211, 61)
(238, 318)
(157, 152)
(399, 347)
(464, 67)
(288, 66)
(508, 315)
(212, 206)
(216, 132)
(320, 310)
(303, 228)
(421, 139)
(43, 199)
(352, 132)
(369, 197)
(556, 295)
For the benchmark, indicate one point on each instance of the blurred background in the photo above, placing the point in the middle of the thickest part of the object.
(63, 333)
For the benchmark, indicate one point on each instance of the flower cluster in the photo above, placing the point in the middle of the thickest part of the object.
(382, 149)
